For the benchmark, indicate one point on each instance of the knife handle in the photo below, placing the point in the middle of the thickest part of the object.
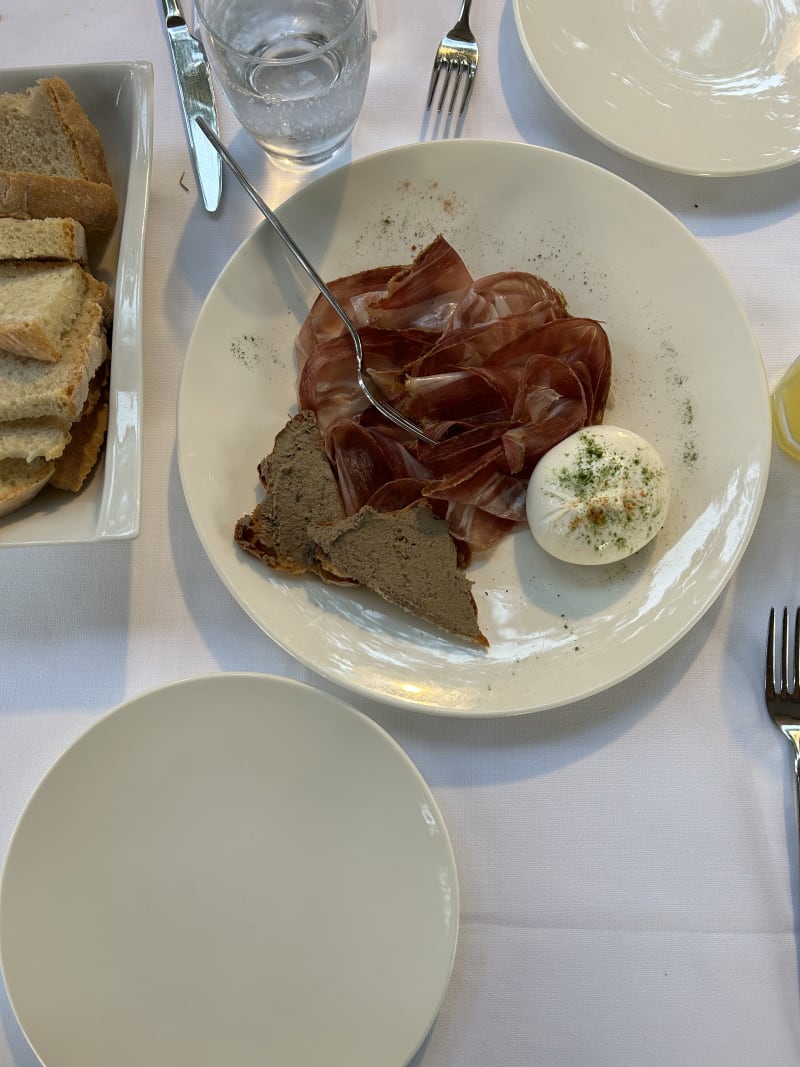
(172, 12)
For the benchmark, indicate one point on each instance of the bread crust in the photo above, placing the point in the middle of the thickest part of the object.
(83, 136)
(25, 195)
(79, 458)
(90, 198)
(43, 240)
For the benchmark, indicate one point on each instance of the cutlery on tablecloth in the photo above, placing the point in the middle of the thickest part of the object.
(456, 57)
(196, 91)
(782, 684)
(368, 389)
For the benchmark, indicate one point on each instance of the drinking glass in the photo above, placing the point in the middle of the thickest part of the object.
(294, 71)
(786, 411)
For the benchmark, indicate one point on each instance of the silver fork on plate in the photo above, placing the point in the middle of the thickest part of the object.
(782, 684)
(368, 388)
(456, 58)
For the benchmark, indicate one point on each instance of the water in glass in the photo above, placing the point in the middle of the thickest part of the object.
(295, 71)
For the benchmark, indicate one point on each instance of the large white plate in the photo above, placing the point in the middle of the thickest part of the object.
(234, 869)
(118, 98)
(710, 88)
(688, 376)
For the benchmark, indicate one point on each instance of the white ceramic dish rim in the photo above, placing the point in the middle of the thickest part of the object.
(338, 715)
(118, 97)
(632, 96)
(356, 641)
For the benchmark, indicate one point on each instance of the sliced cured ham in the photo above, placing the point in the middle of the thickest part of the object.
(328, 385)
(476, 530)
(581, 344)
(495, 370)
(476, 396)
(487, 488)
(359, 462)
(389, 353)
(507, 294)
(469, 346)
(323, 323)
(424, 294)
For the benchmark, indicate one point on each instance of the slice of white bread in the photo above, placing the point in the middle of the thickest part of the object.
(38, 304)
(76, 450)
(407, 557)
(52, 162)
(43, 239)
(21, 481)
(31, 439)
(32, 389)
(87, 437)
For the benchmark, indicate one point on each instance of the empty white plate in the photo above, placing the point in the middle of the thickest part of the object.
(711, 88)
(234, 869)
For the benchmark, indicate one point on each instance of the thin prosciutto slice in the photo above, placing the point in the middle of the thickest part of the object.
(424, 294)
(328, 384)
(478, 396)
(495, 370)
(485, 486)
(581, 344)
(359, 462)
(367, 460)
(510, 293)
(324, 324)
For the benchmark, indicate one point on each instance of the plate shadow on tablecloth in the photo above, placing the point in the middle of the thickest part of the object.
(547, 740)
(21, 1053)
(86, 590)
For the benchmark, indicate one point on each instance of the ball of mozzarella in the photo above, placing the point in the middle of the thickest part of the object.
(598, 496)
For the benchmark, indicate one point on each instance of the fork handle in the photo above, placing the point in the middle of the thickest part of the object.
(793, 734)
(299, 255)
(463, 18)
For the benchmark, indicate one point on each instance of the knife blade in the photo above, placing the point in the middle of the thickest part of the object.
(193, 76)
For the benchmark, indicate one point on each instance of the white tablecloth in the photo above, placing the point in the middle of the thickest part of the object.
(628, 865)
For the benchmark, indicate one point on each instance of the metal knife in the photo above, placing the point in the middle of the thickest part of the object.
(197, 100)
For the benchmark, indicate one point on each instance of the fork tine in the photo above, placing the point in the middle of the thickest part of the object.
(785, 654)
(769, 667)
(447, 75)
(458, 67)
(437, 67)
(782, 681)
(473, 70)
